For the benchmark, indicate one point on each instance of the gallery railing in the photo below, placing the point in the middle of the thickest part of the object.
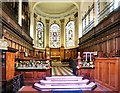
(88, 24)
(102, 15)
(88, 27)
(106, 11)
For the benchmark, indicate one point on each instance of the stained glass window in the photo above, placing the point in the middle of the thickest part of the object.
(70, 34)
(55, 36)
(40, 35)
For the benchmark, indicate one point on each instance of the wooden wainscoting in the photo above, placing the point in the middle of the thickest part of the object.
(10, 68)
(33, 75)
(107, 72)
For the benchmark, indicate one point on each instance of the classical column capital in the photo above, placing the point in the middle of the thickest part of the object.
(35, 16)
(76, 14)
(62, 20)
(47, 20)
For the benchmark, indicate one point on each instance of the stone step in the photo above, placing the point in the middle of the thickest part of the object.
(64, 78)
(67, 83)
(41, 87)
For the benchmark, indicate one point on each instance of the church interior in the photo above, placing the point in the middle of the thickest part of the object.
(49, 46)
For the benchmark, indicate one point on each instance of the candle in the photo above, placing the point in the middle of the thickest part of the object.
(90, 56)
(86, 56)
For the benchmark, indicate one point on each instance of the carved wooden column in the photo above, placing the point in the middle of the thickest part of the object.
(62, 32)
(35, 21)
(47, 32)
(76, 29)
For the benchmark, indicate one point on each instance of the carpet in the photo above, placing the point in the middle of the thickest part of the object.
(67, 91)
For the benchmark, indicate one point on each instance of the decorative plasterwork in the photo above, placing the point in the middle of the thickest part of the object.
(55, 16)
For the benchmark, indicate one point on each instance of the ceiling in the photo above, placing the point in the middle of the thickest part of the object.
(54, 8)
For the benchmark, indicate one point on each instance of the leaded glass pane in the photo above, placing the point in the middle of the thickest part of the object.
(70, 34)
(40, 35)
(54, 36)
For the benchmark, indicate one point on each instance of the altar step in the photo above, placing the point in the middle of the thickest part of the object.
(88, 87)
(64, 78)
(64, 83)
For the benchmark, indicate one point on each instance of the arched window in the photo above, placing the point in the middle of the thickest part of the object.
(70, 34)
(55, 36)
(40, 35)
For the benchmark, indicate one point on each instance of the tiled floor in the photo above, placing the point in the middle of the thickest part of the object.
(59, 69)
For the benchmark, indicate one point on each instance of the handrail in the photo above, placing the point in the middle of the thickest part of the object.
(106, 8)
(91, 23)
(101, 16)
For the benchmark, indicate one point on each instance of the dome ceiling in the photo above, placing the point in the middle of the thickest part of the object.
(54, 8)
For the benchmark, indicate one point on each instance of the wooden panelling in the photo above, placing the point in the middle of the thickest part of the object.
(62, 53)
(31, 76)
(87, 73)
(10, 68)
(97, 70)
(55, 51)
(47, 52)
(104, 38)
(107, 72)
(118, 71)
(3, 73)
(70, 53)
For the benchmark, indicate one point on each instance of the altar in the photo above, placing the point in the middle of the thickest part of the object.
(55, 58)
